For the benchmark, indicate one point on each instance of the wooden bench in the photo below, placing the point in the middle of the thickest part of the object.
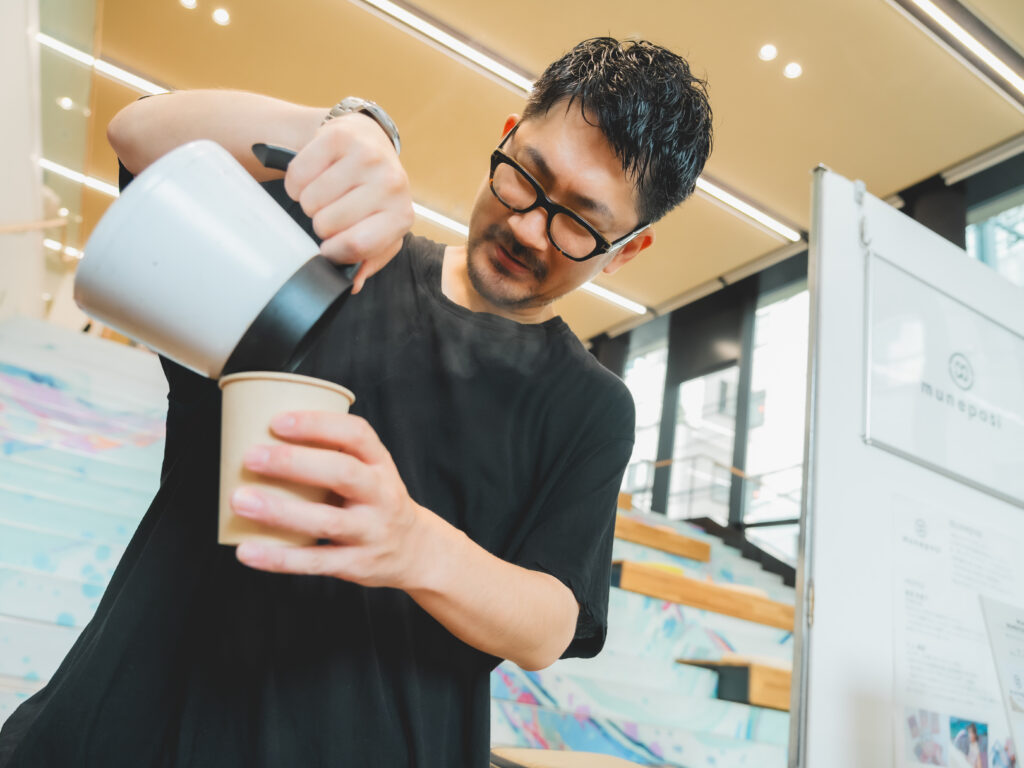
(749, 681)
(661, 537)
(743, 603)
(508, 757)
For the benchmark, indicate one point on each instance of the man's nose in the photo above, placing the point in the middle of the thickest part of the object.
(531, 228)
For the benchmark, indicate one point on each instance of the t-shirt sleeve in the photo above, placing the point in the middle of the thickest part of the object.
(573, 538)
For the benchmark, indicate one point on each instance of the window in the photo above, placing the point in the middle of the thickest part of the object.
(995, 235)
(702, 451)
(775, 434)
(644, 374)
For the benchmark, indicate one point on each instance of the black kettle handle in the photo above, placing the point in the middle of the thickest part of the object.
(276, 158)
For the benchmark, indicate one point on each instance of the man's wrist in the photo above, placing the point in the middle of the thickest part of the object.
(437, 547)
(354, 105)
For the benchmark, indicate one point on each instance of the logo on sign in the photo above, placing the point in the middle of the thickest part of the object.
(961, 372)
(921, 528)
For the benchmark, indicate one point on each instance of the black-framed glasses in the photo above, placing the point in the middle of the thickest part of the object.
(568, 232)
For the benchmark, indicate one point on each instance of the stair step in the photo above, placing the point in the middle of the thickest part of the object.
(97, 467)
(40, 597)
(748, 681)
(722, 570)
(25, 510)
(20, 434)
(516, 724)
(61, 556)
(646, 626)
(617, 668)
(32, 650)
(635, 703)
(517, 757)
(22, 479)
(661, 537)
(650, 580)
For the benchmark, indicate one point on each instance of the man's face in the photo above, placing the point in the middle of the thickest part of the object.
(511, 262)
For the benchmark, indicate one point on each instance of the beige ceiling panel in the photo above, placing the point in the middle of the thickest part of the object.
(1004, 17)
(588, 315)
(699, 242)
(878, 100)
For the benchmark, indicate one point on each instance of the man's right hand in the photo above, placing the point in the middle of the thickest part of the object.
(349, 181)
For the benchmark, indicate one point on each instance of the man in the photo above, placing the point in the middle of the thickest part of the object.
(473, 486)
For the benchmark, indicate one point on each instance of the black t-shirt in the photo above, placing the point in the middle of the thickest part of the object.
(511, 432)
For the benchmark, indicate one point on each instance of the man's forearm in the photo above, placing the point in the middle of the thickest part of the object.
(502, 609)
(149, 128)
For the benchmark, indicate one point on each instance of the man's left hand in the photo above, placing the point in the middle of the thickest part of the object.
(375, 528)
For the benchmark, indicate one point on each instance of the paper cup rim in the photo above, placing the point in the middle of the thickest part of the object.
(292, 377)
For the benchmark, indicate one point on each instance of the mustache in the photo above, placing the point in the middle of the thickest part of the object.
(517, 250)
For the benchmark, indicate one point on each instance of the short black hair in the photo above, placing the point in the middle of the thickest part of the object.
(653, 111)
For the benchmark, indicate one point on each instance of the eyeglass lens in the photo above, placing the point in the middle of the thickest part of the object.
(516, 191)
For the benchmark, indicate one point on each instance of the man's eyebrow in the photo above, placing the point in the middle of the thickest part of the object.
(579, 201)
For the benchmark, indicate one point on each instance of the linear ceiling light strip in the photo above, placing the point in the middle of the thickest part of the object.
(81, 178)
(459, 47)
(969, 40)
(614, 298)
(437, 218)
(103, 67)
(748, 210)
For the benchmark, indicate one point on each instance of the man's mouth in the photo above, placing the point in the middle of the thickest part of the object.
(510, 263)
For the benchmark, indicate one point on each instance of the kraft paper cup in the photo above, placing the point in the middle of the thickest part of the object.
(250, 402)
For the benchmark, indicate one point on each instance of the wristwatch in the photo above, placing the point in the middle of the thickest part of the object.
(383, 119)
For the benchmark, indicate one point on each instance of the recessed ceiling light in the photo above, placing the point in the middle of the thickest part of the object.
(767, 52)
(63, 212)
(65, 103)
(793, 70)
(190, 4)
(222, 17)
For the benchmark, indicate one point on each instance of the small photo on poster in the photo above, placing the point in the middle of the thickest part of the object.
(1003, 754)
(970, 743)
(926, 737)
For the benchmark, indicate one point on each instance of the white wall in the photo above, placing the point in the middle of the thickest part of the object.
(21, 255)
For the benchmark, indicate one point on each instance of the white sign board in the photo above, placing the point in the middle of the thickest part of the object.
(944, 382)
(913, 493)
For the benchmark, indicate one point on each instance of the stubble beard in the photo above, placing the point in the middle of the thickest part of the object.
(495, 290)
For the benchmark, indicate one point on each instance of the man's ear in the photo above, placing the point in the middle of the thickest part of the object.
(629, 251)
(510, 123)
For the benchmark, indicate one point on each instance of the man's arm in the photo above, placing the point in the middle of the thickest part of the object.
(382, 538)
(346, 175)
(149, 128)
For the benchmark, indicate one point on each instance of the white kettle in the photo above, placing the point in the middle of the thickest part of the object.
(196, 261)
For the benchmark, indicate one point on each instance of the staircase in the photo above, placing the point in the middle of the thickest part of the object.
(81, 443)
(695, 670)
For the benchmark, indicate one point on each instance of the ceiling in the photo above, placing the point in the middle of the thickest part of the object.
(879, 101)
